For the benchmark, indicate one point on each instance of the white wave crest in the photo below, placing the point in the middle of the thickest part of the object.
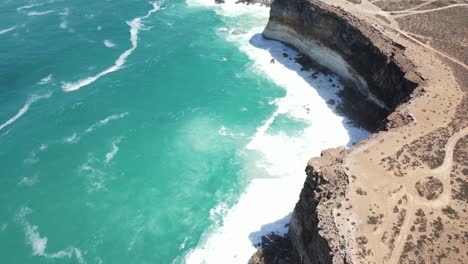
(40, 13)
(29, 181)
(74, 138)
(6, 30)
(21, 8)
(104, 121)
(109, 43)
(45, 80)
(115, 148)
(25, 108)
(231, 8)
(135, 27)
(39, 244)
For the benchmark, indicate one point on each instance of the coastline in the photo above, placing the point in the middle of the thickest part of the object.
(358, 205)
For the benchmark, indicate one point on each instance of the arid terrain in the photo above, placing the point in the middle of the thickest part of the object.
(408, 189)
(400, 196)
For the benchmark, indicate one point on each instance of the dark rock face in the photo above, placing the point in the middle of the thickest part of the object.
(375, 68)
(275, 250)
(262, 2)
(312, 230)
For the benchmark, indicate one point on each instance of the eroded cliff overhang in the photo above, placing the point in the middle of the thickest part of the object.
(373, 65)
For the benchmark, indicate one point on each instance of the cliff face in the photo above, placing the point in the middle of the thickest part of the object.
(311, 230)
(373, 66)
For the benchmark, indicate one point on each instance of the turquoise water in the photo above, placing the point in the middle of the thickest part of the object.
(128, 142)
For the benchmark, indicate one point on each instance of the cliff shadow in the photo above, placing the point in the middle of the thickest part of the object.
(325, 83)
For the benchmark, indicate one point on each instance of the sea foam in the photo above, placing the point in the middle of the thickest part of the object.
(45, 80)
(40, 13)
(21, 8)
(109, 43)
(115, 148)
(104, 121)
(95, 177)
(25, 108)
(74, 138)
(39, 244)
(29, 181)
(135, 27)
(277, 177)
(6, 30)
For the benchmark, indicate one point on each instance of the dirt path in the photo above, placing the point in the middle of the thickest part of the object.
(421, 5)
(414, 12)
(442, 173)
(372, 11)
(406, 34)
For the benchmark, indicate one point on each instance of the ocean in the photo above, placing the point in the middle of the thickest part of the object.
(152, 132)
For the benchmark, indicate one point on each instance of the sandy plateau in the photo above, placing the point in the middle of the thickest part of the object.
(408, 191)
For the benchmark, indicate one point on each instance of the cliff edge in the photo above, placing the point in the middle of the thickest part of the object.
(401, 195)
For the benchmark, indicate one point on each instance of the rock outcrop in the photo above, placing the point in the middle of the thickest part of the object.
(373, 66)
(311, 230)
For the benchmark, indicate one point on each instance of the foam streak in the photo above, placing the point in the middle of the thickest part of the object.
(115, 148)
(4, 31)
(135, 27)
(25, 108)
(28, 7)
(39, 244)
(45, 80)
(36, 13)
(104, 121)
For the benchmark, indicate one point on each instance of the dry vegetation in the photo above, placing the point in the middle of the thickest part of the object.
(408, 193)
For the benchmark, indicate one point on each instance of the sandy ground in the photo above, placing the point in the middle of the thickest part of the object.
(408, 190)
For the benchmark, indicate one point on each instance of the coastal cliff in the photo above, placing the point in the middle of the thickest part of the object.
(373, 67)
(399, 196)
(378, 77)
